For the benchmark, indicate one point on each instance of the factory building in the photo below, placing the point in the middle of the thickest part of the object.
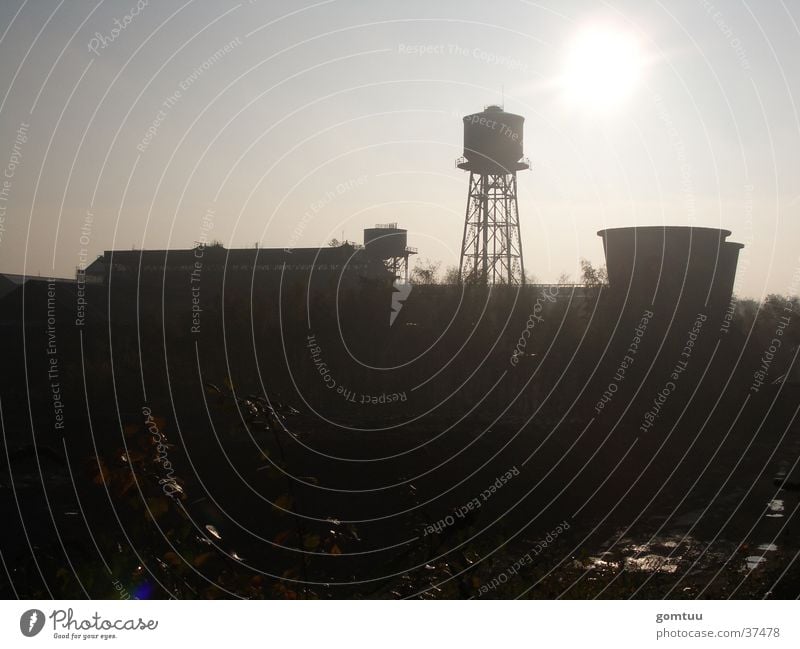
(346, 264)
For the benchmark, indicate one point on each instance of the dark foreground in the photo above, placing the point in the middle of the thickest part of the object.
(227, 465)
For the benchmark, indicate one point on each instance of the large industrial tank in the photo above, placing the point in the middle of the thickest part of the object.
(690, 266)
(493, 142)
(385, 241)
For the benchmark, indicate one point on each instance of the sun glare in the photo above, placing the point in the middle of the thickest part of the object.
(602, 67)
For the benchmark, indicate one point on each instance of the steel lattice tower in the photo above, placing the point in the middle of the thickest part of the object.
(491, 248)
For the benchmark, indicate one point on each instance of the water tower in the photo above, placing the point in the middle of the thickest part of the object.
(491, 249)
(388, 243)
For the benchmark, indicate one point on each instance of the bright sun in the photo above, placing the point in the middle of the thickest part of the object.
(602, 67)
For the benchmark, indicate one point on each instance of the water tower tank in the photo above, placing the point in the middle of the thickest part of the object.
(385, 241)
(493, 142)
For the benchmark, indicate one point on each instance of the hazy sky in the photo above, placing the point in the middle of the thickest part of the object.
(323, 118)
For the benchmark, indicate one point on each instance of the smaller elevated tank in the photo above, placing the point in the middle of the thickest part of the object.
(385, 241)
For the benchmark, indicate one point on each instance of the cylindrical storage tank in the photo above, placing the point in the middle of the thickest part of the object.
(726, 276)
(385, 243)
(493, 141)
(680, 265)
